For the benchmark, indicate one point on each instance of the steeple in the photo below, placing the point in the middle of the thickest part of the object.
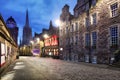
(27, 19)
(50, 26)
(27, 31)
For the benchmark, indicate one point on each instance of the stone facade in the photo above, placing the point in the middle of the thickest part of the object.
(8, 46)
(65, 18)
(93, 33)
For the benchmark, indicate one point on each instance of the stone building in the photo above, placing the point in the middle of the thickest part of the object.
(64, 34)
(8, 46)
(12, 26)
(93, 32)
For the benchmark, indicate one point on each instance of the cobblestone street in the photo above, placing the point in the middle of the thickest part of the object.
(35, 68)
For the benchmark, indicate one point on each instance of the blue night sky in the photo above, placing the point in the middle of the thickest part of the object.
(40, 12)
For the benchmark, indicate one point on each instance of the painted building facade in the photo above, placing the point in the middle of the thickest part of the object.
(50, 40)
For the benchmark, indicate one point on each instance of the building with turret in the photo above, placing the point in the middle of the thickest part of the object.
(12, 26)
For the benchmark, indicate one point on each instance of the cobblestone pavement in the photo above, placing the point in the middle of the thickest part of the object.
(35, 68)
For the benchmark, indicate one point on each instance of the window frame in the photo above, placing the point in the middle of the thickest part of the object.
(89, 39)
(118, 29)
(92, 38)
(111, 15)
(87, 24)
(92, 19)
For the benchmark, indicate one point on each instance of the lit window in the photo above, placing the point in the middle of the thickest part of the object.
(94, 19)
(94, 38)
(114, 9)
(114, 35)
(87, 39)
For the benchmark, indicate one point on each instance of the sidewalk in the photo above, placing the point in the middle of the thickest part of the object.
(97, 65)
(9, 67)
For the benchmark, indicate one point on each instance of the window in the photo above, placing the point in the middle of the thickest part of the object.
(87, 39)
(114, 35)
(67, 29)
(72, 40)
(61, 31)
(87, 6)
(60, 42)
(94, 38)
(87, 22)
(94, 19)
(93, 2)
(76, 40)
(76, 26)
(114, 9)
(72, 28)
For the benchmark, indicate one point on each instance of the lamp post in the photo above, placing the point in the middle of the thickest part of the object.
(60, 49)
(31, 46)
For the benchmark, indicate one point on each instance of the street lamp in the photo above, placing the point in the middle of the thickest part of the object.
(38, 40)
(57, 22)
(31, 42)
(61, 49)
(45, 36)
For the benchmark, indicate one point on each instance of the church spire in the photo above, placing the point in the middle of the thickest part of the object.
(27, 18)
(50, 24)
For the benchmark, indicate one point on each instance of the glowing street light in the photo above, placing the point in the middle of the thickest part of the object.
(50, 53)
(31, 42)
(45, 36)
(61, 49)
(57, 22)
(38, 39)
(24, 47)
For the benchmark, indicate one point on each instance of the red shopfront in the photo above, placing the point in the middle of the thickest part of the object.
(51, 46)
